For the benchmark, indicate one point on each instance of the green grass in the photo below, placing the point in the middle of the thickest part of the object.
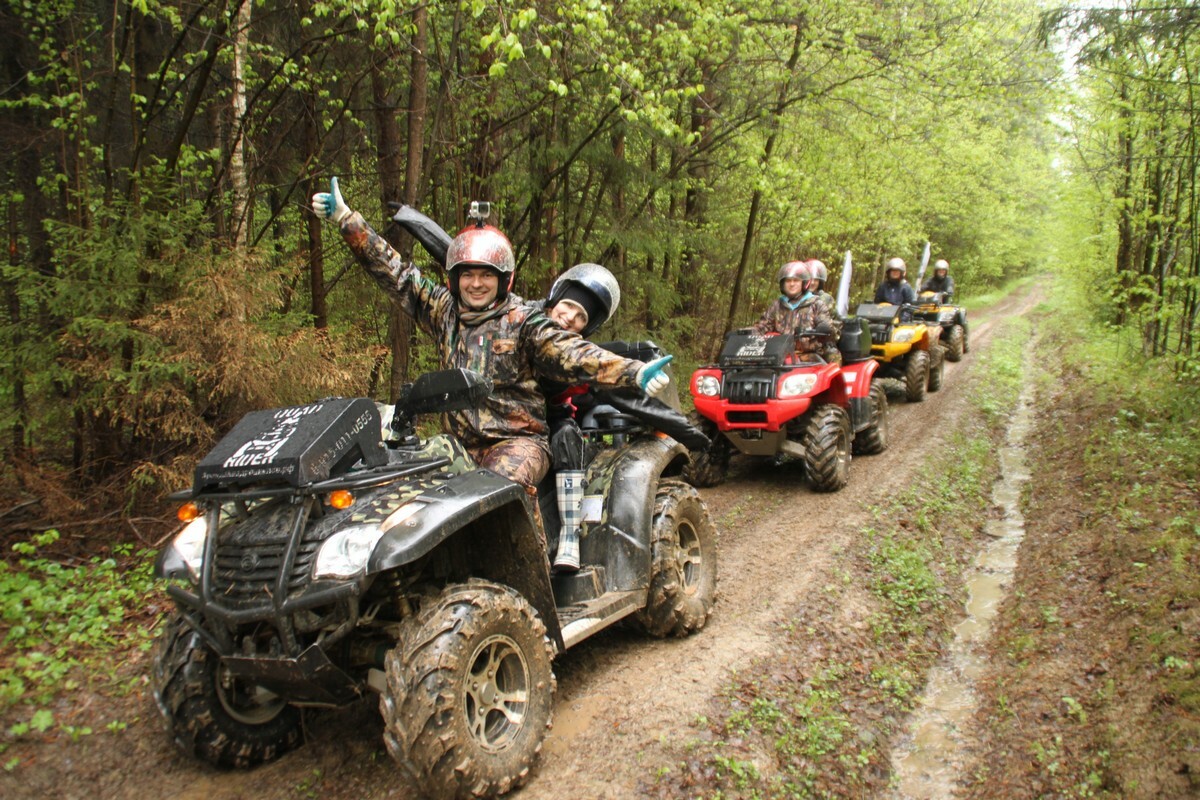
(59, 617)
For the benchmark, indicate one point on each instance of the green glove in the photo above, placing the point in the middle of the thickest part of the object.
(330, 205)
(651, 377)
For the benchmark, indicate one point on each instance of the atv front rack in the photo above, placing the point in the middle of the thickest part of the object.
(360, 479)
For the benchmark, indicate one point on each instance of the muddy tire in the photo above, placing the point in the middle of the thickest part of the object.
(683, 571)
(827, 448)
(874, 438)
(956, 343)
(708, 467)
(210, 714)
(916, 376)
(937, 367)
(469, 693)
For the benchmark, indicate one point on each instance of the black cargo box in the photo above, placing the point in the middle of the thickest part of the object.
(855, 341)
(294, 446)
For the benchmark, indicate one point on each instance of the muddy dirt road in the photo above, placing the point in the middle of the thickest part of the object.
(622, 698)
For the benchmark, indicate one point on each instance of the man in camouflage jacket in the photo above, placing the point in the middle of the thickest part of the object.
(496, 335)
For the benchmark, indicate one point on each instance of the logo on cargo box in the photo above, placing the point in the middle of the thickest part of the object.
(264, 447)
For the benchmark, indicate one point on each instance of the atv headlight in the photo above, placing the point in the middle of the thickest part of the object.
(189, 545)
(903, 337)
(796, 385)
(945, 316)
(708, 386)
(345, 554)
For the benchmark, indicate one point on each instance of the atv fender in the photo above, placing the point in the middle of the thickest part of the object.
(858, 378)
(489, 521)
(832, 389)
(621, 540)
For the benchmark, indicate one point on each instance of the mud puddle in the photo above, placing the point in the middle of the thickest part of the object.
(926, 761)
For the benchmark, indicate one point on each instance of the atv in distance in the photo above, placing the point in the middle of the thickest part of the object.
(906, 347)
(935, 307)
(759, 400)
(332, 552)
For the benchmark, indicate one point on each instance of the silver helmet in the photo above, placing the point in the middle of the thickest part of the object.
(591, 286)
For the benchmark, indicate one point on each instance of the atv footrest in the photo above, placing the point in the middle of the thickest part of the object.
(581, 620)
(578, 587)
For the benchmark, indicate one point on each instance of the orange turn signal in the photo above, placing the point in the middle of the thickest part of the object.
(340, 498)
(188, 511)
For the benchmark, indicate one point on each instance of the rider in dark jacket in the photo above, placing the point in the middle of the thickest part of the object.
(941, 280)
(894, 289)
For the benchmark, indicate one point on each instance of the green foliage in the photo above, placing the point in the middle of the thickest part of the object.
(636, 134)
(1130, 178)
(60, 616)
(903, 577)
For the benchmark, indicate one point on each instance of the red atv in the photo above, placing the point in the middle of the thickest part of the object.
(760, 400)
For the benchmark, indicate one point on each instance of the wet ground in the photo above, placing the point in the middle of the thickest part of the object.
(927, 762)
(625, 704)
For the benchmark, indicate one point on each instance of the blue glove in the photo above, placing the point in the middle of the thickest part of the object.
(330, 205)
(651, 377)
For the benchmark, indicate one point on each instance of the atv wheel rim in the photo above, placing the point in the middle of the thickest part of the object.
(688, 557)
(247, 703)
(497, 693)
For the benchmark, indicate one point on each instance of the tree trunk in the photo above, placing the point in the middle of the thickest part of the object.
(418, 109)
(312, 223)
(240, 184)
(756, 198)
(1125, 243)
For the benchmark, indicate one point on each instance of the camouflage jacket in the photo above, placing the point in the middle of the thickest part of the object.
(512, 344)
(835, 322)
(780, 317)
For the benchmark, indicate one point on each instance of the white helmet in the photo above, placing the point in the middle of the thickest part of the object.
(896, 263)
(794, 269)
(941, 263)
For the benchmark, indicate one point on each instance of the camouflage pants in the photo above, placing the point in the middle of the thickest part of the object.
(520, 459)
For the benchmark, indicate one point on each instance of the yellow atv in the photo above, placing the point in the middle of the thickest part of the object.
(907, 348)
(935, 307)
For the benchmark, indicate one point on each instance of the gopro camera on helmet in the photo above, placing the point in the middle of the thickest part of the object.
(480, 210)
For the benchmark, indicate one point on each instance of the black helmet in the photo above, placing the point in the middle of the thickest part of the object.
(592, 287)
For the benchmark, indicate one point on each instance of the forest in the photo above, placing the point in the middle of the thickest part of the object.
(165, 274)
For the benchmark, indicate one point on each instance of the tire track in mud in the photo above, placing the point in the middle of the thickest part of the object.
(621, 697)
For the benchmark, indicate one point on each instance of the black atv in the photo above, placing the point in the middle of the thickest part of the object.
(332, 552)
(936, 307)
